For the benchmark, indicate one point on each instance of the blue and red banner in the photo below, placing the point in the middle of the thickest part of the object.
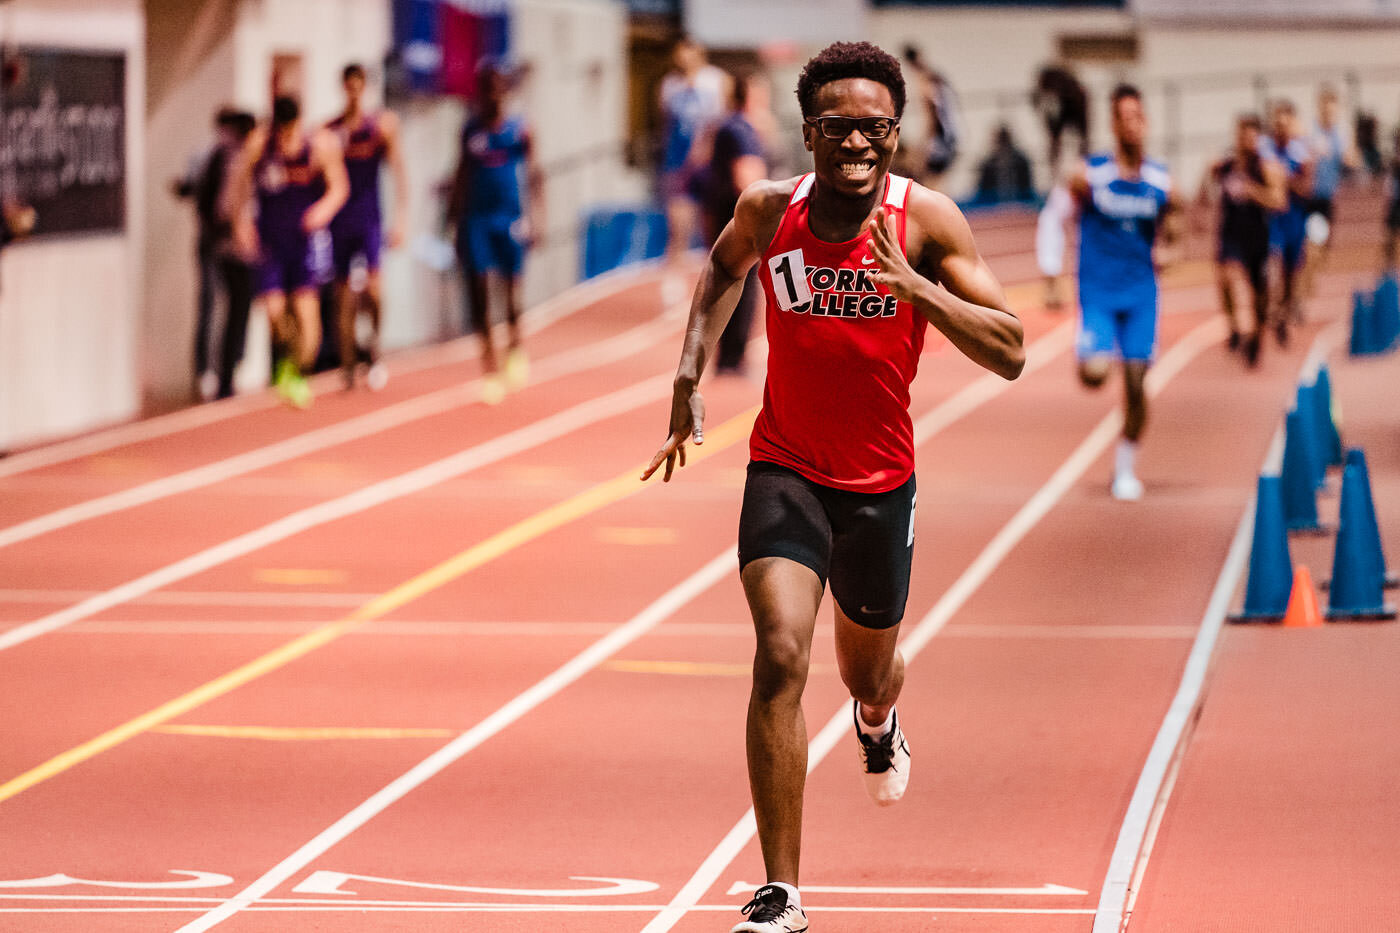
(441, 43)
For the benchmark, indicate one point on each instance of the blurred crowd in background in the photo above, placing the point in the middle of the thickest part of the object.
(562, 165)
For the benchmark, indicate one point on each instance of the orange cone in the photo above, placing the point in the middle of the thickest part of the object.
(1302, 609)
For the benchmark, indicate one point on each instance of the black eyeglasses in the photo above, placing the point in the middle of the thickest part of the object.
(840, 127)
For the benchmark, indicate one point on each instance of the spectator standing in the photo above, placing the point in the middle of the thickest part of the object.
(1368, 143)
(1063, 105)
(1005, 174)
(496, 181)
(1392, 211)
(235, 267)
(691, 97)
(944, 113)
(738, 158)
(201, 184)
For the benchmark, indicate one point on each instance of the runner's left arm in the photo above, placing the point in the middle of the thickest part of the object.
(956, 291)
(325, 151)
(393, 155)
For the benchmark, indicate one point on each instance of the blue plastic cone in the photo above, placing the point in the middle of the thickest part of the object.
(1270, 566)
(1322, 399)
(1299, 489)
(1313, 440)
(1357, 457)
(1362, 316)
(1356, 591)
(1387, 314)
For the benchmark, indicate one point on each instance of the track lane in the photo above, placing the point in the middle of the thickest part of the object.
(519, 846)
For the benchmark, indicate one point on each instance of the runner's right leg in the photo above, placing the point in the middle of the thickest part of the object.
(783, 597)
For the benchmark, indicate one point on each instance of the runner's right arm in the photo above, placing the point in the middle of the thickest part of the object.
(739, 246)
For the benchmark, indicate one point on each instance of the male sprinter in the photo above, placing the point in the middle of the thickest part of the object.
(368, 141)
(854, 263)
(1248, 187)
(1124, 198)
(300, 183)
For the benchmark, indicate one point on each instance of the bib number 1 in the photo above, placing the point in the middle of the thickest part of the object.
(789, 273)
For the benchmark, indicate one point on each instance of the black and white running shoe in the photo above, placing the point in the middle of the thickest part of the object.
(770, 912)
(885, 761)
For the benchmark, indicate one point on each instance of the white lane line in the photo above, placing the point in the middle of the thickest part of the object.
(533, 435)
(575, 360)
(290, 906)
(280, 600)
(1148, 804)
(977, 573)
(720, 566)
(1043, 890)
(1040, 353)
(533, 320)
(395, 628)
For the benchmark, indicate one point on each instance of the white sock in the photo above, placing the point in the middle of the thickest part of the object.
(1125, 458)
(794, 899)
(876, 731)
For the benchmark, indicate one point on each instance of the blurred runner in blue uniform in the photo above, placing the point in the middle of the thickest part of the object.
(369, 141)
(1125, 199)
(298, 181)
(494, 228)
(1288, 229)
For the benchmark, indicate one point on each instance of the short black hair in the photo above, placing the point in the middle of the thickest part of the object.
(1251, 121)
(353, 70)
(1125, 92)
(850, 60)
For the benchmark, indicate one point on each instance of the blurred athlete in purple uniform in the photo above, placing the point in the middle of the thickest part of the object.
(299, 183)
(488, 206)
(368, 140)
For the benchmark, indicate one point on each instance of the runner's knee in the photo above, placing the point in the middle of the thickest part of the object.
(780, 665)
(1094, 372)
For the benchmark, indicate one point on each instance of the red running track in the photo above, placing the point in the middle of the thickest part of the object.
(454, 668)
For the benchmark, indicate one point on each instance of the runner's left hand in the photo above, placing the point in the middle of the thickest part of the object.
(895, 273)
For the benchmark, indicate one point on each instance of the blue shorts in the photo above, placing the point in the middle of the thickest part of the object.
(491, 243)
(349, 242)
(1108, 328)
(1287, 234)
(294, 263)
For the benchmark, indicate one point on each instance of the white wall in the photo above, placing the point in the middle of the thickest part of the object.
(985, 51)
(69, 306)
(576, 101)
(191, 75)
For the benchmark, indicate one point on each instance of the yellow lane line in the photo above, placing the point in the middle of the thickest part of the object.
(694, 668)
(591, 500)
(304, 734)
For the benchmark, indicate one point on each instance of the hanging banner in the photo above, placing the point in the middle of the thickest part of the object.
(441, 43)
(63, 138)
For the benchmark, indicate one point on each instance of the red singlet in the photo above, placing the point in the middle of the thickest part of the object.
(841, 354)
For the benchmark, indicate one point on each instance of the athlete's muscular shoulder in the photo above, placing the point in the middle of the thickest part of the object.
(935, 228)
(760, 210)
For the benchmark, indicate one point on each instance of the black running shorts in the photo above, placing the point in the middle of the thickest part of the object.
(862, 543)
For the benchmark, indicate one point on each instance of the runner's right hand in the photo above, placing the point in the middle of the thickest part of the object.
(687, 422)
